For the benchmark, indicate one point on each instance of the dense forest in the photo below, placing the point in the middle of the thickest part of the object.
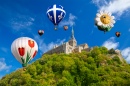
(99, 67)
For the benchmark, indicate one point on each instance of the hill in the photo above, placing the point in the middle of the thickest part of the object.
(99, 67)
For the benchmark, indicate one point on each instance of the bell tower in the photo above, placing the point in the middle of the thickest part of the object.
(72, 41)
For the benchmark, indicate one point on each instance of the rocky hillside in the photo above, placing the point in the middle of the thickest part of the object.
(99, 67)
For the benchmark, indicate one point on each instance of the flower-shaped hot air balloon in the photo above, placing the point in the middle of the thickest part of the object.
(56, 13)
(104, 21)
(24, 49)
(40, 32)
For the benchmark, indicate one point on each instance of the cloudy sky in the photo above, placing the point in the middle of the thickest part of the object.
(20, 18)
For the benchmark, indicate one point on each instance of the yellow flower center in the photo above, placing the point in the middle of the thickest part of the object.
(105, 19)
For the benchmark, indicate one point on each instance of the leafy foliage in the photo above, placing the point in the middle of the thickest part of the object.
(112, 51)
(94, 68)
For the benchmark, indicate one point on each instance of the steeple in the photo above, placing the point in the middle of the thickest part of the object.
(72, 34)
(72, 41)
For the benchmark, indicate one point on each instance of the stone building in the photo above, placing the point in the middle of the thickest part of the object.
(69, 47)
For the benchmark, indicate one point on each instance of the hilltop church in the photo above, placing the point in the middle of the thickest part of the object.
(69, 47)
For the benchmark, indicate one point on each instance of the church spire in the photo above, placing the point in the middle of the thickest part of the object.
(72, 41)
(72, 35)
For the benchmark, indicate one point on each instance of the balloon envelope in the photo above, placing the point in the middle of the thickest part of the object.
(118, 34)
(65, 27)
(40, 32)
(56, 13)
(24, 49)
(104, 21)
(105, 29)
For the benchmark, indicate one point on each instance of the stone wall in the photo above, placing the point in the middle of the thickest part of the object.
(58, 49)
(68, 49)
(87, 49)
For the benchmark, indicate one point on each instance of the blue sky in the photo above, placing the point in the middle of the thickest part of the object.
(20, 18)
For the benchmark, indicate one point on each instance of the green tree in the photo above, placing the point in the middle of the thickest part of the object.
(104, 50)
(32, 70)
(116, 59)
(90, 60)
(112, 51)
(95, 52)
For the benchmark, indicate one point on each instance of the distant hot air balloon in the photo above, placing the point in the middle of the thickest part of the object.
(65, 27)
(118, 34)
(24, 49)
(56, 13)
(40, 32)
(104, 21)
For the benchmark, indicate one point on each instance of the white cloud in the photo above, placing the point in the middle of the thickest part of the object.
(110, 43)
(70, 21)
(4, 49)
(22, 22)
(17, 18)
(99, 3)
(43, 47)
(117, 7)
(3, 65)
(126, 54)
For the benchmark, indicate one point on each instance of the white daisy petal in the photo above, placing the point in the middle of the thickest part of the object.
(109, 13)
(113, 21)
(104, 25)
(98, 15)
(112, 17)
(107, 25)
(111, 25)
(97, 19)
(105, 12)
(101, 12)
(99, 23)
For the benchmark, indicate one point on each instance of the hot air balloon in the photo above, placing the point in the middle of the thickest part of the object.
(55, 14)
(104, 21)
(65, 27)
(118, 34)
(40, 32)
(24, 50)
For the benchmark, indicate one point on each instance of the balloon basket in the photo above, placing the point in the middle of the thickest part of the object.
(24, 68)
(55, 27)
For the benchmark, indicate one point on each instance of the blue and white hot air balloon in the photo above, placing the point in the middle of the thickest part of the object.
(56, 13)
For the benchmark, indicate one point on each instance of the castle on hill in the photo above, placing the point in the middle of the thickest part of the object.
(69, 47)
